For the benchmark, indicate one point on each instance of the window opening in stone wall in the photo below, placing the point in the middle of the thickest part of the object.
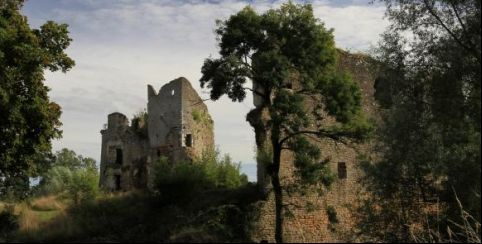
(288, 85)
(188, 140)
(117, 180)
(341, 170)
(158, 152)
(172, 92)
(118, 156)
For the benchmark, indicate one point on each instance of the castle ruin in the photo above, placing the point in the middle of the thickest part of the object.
(317, 216)
(177, 126)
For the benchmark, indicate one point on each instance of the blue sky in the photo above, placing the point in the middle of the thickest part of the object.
(121, 46)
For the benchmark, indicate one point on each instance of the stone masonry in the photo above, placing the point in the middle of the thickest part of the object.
(315, 217)
(178, 126)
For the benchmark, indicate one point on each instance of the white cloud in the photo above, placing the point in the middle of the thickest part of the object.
(121, 46)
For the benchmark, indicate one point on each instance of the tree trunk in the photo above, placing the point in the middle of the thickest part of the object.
(278, 194)
(275, 180)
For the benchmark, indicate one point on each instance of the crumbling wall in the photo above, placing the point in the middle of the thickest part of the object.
(179, 123)
(122, 155)
(178, 126)
(319, 216)
(197, 124)
(164, 113)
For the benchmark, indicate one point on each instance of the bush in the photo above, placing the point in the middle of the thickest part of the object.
(84, 186)
(221, 172)
(187, 178)
(79, 185)
(139, 123)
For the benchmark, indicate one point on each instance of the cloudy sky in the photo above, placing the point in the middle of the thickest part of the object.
(121, 46)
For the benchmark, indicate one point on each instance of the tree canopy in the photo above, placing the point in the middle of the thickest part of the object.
(29, 120)
(68, 158)
(430, 139)
(289, 56)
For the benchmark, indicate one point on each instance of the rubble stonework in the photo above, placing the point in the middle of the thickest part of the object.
(178, 127)
(309, 219)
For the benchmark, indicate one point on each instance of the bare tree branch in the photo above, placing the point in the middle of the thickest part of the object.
(336, 136)
(254, 91)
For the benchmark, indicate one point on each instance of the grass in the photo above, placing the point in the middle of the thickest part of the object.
(217, 215)
(44, 216)
(32, 215)
(47, 203)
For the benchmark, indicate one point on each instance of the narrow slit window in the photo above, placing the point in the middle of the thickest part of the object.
(117, 182)
(118, 156)
(341, 170)
(189, 140)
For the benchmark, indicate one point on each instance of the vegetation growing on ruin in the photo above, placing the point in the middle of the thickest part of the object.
(139, 123)
(422, 181)
(291, 56)
(203, 118)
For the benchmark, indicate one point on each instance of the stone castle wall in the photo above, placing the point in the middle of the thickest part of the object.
(172, 131)
(310, 221)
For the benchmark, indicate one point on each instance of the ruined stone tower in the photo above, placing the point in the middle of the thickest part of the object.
(178, 126)
(325, 217)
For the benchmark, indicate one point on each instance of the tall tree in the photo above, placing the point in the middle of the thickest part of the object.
(290, 57)
(431, 133)
(29, 120)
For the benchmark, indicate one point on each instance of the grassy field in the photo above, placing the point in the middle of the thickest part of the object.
(215, 215)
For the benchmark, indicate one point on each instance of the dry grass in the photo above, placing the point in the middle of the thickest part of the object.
(28, 220)
(467, 230)
(47, 203)
(32, 216)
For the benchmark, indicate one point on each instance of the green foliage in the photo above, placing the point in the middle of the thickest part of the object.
(185, 179)
(221, 171)
(29, 120)
(69, 159)
(430, 138)
(201, 117)
(139, 123)
(71, 176)
(84, 186)
(290, 56)
(286, 45)
(218, 215)
(80, 185)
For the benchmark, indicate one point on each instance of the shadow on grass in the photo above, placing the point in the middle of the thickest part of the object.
(215, 215)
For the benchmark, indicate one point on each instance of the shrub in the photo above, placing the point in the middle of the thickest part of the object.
(139, 123)
(201, 117)
(79, 185)
(178, 180)
(221, 172)
(84, 186)
(182, 179)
